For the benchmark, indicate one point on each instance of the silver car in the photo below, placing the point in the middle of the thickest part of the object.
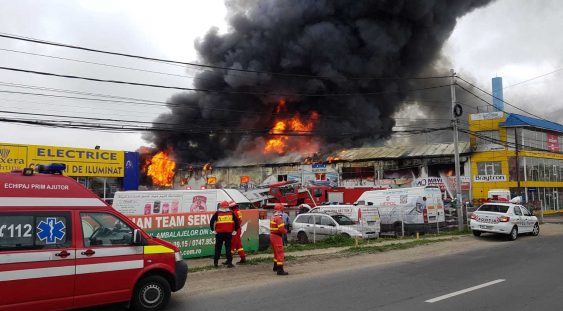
(318, 226)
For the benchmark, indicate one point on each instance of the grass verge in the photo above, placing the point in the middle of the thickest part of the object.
(394, 246)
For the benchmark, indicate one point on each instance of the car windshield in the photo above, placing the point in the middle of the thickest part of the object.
(343, 220)
(493, 208)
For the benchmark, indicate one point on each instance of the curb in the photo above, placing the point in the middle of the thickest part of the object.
(200, 263)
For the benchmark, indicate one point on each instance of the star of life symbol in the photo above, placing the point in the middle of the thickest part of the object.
(51, 231)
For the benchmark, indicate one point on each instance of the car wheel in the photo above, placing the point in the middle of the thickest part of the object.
(302, 237)
(536, 230)
(476, 233)
(151, 293)
(345, 235)
(513, 234)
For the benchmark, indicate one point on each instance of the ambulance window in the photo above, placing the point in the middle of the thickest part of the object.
(36, 230)
(103, 229)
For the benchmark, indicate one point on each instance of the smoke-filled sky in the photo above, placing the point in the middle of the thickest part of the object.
(516, 39)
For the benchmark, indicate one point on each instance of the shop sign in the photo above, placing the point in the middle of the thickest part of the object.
(489, 178)
(78, 161)
(318, 168)
(487, 116)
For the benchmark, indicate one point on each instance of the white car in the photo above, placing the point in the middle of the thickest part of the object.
(319, 226)
(504, 218)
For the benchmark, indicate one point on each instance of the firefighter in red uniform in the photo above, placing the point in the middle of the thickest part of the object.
(236, 243)
(225, 224)
(277, 229)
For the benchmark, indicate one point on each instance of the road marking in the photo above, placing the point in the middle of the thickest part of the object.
(463, 291)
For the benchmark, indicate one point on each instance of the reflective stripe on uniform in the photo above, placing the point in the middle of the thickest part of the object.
(157, 249)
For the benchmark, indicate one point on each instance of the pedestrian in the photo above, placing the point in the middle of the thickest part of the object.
(236, 244)
(224, 224)
(287, 223)
(277, 229)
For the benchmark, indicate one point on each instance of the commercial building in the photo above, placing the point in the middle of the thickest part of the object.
(386, 167)
(519, 153)
(102, 171)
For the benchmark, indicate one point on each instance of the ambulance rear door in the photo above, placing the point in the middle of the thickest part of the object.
(37, 259)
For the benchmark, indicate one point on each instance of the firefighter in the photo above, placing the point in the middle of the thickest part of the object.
(224, 224)
(277, 229)
(236, 243)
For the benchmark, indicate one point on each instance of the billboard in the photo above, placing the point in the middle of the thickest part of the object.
(79, 161)
(182, 217)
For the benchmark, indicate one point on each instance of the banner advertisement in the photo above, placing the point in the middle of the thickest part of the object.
(553, 142)
(79, 161)
(191, 233)
(182, 218)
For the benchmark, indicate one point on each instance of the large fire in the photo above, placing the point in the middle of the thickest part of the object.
(160, 168)
(282, 144)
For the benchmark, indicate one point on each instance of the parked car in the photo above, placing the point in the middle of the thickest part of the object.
(319, 226)
(504, 218)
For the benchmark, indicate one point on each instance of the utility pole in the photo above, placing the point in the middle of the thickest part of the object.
(455, 123)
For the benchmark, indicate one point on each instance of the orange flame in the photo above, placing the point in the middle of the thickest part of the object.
(161, 169)
(331, 159)
(282, 144)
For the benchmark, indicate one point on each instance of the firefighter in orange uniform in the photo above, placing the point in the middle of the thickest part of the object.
(277, 229)
(236, 243)
(225, 225)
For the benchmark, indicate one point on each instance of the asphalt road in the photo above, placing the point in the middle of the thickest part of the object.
(521, 275)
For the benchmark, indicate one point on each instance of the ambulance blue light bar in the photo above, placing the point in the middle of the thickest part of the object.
(54, 168)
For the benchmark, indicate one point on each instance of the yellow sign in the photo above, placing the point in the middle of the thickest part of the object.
(79, 161)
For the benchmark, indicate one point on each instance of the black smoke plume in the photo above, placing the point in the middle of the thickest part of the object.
(342, 42)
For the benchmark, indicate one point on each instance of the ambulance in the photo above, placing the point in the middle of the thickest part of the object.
(62, 247)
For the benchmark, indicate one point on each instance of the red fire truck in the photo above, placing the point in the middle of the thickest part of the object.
(291, 193)
(62, 247)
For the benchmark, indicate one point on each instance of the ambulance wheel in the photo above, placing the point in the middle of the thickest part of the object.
(152, 293)
(476, 233)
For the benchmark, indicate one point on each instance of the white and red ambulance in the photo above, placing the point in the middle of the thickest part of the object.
(62, 247)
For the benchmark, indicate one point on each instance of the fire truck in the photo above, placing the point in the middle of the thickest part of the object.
(292, 193)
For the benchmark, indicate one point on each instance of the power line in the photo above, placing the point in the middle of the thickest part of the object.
(100, 64)
(213, 91)
(500, 99)
(533, 78)
(281, 74)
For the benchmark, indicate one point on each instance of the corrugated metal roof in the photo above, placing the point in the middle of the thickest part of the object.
(359, 154)
(430, 150)
(515, 120)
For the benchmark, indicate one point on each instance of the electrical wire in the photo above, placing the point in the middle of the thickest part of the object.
(281, 74)
(211, 90)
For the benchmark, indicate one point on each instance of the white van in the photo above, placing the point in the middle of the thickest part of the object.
(362, 214)
(421, 209)
(175, 201)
